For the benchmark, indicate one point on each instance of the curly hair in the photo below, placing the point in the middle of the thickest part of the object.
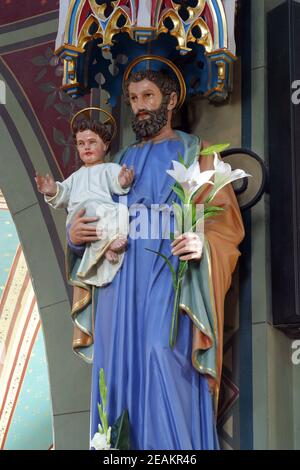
(162, 80)
(86, 125)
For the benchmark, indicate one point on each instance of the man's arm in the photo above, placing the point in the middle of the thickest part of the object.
(79, 232)
(77, 249)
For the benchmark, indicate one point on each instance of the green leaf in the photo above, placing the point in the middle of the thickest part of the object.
(194, 157)
(103, 396)
(181, 160)
(214, 148)
(40, 74)
(50, 100)
(212, 212)
(178, 215)
(62, 108)
(70, 139)
(102, 387)
(39, 61)
(64, 97)
(182, 269)
(177, 188)
(173, 273)
(79, 102)
(174, 321)
(213, 208)
(58, 137)
(105, 423)
(101, 415)
(66, 156)
(100, 411)
(183, 265)
(187, 217)
(194, 214)
(47, 87)
(197, 192)
(196, 223)
(175, 315)
(120, 432)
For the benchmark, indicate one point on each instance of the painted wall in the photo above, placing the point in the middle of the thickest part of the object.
(25, 406)
(263, 406)
(276, 401)
(34, 135)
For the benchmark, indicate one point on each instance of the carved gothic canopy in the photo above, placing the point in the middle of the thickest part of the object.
(98, 38)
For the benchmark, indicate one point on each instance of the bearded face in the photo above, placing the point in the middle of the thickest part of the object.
(149, 107)
(147, 124)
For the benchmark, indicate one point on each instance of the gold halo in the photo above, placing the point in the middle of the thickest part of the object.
(110, 118)
(164, 61)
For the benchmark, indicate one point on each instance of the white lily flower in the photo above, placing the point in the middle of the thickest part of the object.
(101, 441)
(224, 175)
(191, 179)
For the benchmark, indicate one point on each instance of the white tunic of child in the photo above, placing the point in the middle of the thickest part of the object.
(91, 187)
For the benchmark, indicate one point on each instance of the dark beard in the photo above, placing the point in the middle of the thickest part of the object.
(150, 127)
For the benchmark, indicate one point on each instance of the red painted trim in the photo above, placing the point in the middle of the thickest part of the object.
(24, 369)
(10, 276)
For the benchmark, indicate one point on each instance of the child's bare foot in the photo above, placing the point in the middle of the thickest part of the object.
(118, 245)
(111, 256)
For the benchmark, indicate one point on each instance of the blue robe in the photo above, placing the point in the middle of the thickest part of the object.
(168, 401)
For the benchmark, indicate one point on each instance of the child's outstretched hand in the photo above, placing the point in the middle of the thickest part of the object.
(45, 184)
(126, 176)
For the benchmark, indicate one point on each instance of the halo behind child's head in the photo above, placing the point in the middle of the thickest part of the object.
(90, 119)
(102, 130)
